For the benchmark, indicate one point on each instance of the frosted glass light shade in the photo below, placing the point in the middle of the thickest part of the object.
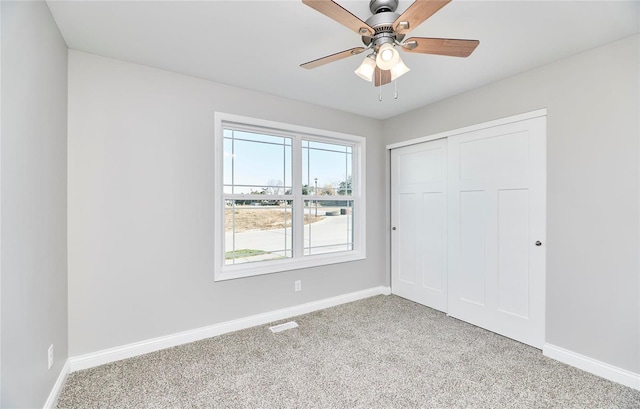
(387, 57)
(399, 70)
(366, 69)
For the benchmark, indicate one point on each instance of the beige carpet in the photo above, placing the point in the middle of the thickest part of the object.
(382, 352)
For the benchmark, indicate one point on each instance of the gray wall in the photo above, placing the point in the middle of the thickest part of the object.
(34, 203)
(141, 205)
(593, 299)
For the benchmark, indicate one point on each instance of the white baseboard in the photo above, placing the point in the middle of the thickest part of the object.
(106, 356)
(593, 366)
(57, 387)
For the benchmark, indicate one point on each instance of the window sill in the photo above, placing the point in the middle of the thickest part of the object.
(232, 272)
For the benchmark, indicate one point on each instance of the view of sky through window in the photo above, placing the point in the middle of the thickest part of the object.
(256, 161)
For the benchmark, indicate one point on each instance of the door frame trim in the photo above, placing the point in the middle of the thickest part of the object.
(471, 128)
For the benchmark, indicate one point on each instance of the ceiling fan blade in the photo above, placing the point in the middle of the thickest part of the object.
(440, 46)
(343, 16)
(381, 77)
(418, 12)
(332, 58)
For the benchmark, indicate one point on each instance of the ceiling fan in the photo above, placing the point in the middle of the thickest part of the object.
(385, 31)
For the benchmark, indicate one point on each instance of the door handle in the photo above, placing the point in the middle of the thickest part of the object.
(393, 228)
(538, 243)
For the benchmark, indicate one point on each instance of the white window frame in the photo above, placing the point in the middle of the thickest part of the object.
(298, 261)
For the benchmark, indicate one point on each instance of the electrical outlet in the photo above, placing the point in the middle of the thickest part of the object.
(50, 356)
(298, 285)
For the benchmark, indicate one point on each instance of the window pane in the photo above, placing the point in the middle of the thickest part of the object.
(328, 226)
(228, 164)
(326, 168)
(257, 232)
(257, 164)
(256, 137)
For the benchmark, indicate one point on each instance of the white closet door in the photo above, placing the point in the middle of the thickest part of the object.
(418, 217)
(496, 229)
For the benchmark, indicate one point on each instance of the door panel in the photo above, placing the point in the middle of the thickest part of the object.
(434, 230)
(513, 252)
(496, 184)
(471, 278)
(493, 156)
(407, 238)
(419, 212)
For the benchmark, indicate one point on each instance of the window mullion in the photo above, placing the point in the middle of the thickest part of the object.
(298, 203)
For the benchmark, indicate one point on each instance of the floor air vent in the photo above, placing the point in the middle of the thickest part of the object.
(283, 327)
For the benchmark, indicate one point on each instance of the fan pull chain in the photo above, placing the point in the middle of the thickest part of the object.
(395, 87)
(380, 86)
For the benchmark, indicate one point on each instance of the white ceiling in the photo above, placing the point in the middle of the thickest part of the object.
(259, 44)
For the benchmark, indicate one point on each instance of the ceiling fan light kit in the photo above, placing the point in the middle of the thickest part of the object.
(384, 33)
(387, 57)
(366, 69)
(399, 70)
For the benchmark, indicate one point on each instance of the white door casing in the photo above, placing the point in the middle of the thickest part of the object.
(418, 217)
(497, 214)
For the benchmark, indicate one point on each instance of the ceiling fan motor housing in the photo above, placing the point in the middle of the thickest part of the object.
(382, 24)
(384, 15)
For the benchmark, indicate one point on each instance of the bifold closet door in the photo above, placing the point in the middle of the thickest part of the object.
(418, 219)
(496, 229)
